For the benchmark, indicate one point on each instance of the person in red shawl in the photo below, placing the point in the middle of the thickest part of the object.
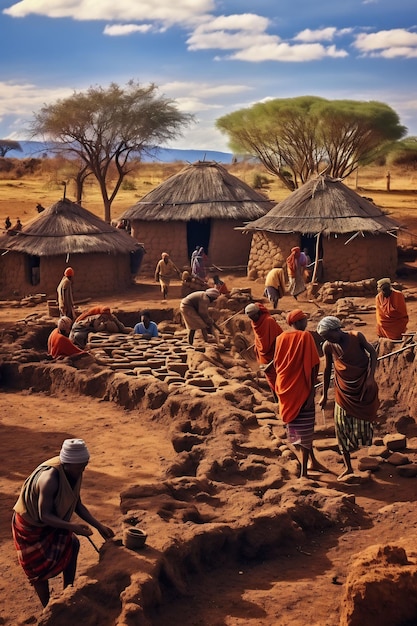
(296, 264)
(391, 311)
(265, 329)
(59, 344)
(356, 391)
(43, 534)
(296, 362)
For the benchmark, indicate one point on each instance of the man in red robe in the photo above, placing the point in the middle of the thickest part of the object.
(391, 311)
(296, 363)
(265, 329)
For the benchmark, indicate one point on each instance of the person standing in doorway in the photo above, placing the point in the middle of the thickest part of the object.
(296, 263)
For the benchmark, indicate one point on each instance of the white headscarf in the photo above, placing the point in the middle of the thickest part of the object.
(330, 322)
(74, 451)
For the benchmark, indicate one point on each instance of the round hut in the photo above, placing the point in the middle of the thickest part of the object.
(346, 236)
(202, 205)
(33, 260)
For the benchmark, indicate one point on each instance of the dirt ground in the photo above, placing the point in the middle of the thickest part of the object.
(298, 586)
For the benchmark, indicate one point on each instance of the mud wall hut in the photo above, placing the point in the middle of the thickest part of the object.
(346, 235)
(202, 205)
(33, 260)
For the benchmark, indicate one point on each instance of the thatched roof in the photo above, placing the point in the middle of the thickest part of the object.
(324, 205)
(68, 228)
(200, 191)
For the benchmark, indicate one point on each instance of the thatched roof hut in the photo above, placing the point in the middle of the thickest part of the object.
(200, 205)
(33, 259)
(352, 236)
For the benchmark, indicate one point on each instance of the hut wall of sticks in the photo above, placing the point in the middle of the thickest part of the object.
(346, 235)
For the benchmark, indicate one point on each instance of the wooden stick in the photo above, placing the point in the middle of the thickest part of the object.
(93, 544)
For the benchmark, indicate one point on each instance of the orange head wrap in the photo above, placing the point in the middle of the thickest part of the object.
(295, 316)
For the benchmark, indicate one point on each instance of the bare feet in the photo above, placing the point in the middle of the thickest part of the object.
(318, 467)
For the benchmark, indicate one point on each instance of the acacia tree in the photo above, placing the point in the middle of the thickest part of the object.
(6, 145)
(111, 126)
(300, 134)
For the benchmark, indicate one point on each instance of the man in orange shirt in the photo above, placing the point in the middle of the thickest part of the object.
(296, 362)
(391, 311)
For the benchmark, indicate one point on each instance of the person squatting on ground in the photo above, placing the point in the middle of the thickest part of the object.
(59, 344)
(356, 391)
(43, 534)
(98, 319)
(195, 313)
(266, 330)
(275, 287)
(164, 271)
(146, 327)
(64, 292)
(190, 283)
(296, 362)
(296, 264)
(391, 311)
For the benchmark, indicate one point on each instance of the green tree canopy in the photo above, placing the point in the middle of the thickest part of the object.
(301, 134)
(6, 145)
(110, 127)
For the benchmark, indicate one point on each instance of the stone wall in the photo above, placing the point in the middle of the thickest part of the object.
(268, 249)
(95, 275)
(363, 257)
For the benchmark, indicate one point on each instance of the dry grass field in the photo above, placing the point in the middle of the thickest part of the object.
(20, 195)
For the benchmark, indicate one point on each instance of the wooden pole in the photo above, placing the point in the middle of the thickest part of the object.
(316, 260)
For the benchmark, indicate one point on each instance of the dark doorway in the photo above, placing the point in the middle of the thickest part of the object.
(198, 234)
(34, 266)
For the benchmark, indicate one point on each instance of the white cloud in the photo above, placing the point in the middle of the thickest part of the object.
(322, 34)
(116, 30)
(166, 11)
(397, 42)
(230, 32)
(284, 52)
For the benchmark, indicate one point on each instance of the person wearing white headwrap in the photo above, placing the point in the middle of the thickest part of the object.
(60, 345)
(353, 360)
(195, 312)
(44, 536)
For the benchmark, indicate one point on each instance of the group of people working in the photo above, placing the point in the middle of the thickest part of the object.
(44, 536)
(291, 361)
(292, 364)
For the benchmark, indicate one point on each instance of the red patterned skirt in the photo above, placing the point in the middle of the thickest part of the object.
(43, 552)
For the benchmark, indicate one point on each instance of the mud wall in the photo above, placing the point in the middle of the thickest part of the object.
(95, 274)
(227, 246)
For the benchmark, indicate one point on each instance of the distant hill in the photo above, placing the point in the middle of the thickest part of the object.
(41, 150)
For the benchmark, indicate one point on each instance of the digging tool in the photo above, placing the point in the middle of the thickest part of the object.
(93, 544)
(231, 317)
(385, 356)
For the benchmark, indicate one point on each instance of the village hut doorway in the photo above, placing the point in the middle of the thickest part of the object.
(34, 267)
(198, 234)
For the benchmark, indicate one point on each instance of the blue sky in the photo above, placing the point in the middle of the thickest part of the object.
(210, 56)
